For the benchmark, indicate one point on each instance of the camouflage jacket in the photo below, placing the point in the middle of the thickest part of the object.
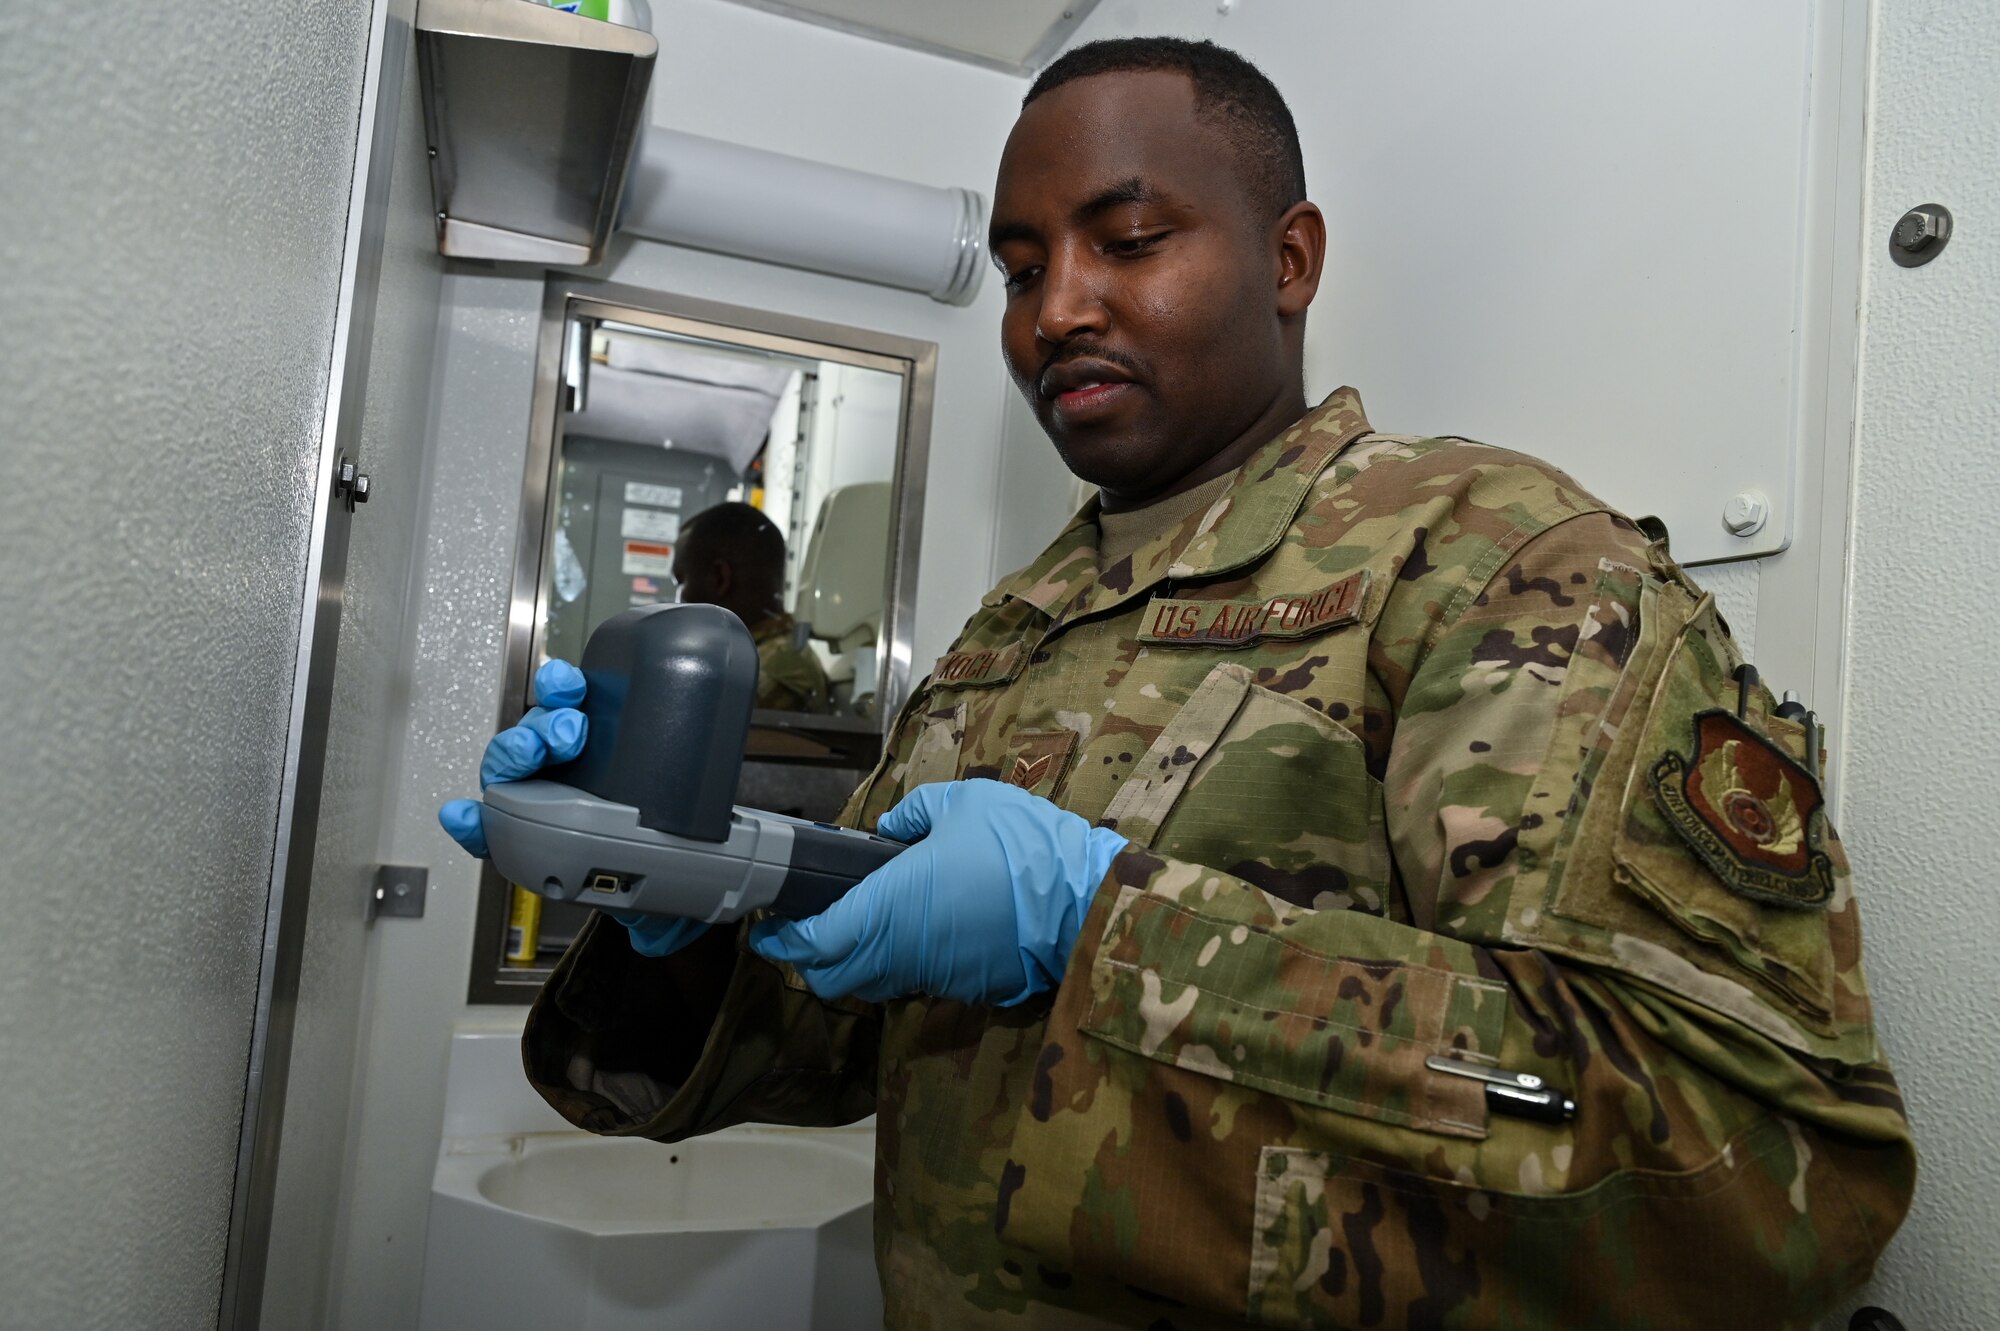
(1426, 758)
(789, 677)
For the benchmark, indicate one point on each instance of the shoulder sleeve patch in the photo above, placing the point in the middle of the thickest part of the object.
(1751, 813)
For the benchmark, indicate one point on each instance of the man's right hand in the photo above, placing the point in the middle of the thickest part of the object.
(553, 731)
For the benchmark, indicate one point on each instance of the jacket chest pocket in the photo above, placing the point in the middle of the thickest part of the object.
(934, 727)
(941, 726)
(1259, 785)
(945, 750)
(986, 740)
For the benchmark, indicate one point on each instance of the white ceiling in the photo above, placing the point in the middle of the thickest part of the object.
(1015, 35)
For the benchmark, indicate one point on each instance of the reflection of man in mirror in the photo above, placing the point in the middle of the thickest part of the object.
(733, 556)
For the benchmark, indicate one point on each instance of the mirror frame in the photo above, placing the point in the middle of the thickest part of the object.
(851, 741)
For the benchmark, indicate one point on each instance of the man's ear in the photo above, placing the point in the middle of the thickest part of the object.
(1299, 239)
(723, 575)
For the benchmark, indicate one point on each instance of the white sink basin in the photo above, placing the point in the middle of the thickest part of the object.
(614, 1185)
(749, 1227)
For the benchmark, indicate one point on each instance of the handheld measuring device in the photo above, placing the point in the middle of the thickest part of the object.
(644, 818)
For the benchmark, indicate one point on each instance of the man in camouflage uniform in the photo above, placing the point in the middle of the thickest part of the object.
(789, 676)
(1431, 772)
(733, 556)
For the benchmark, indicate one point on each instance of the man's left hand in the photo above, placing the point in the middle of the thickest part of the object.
(984, 908)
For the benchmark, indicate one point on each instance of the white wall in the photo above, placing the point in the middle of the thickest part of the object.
(733, 73)
(1923, 733)
(377, 590)
(863, 448)
(853, 437)
(171, 231)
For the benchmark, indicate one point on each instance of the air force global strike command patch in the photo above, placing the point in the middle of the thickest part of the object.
(1194, 622)
(1752, 814)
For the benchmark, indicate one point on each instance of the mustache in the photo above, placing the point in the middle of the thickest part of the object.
(1063, 355)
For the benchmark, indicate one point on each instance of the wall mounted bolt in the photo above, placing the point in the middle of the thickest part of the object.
(1746, 513)
(1920, 235)
(350, 484)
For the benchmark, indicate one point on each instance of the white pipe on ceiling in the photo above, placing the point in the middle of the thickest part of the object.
(688, 190)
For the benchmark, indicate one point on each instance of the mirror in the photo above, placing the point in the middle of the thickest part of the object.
(682, 450)
(697, 470)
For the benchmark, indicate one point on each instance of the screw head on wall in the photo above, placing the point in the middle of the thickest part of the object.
(1746, 513)
(1920, 235)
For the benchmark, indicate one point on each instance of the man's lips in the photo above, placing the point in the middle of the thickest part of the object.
(1080, 372)
(1086, 387)
(1091, 399)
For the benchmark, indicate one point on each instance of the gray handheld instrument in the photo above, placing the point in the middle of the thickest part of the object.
(643, 819)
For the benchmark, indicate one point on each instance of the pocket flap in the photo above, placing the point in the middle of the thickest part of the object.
(1158, 779)
(1195, 991)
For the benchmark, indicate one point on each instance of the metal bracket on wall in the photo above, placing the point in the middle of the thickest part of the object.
(399, 890)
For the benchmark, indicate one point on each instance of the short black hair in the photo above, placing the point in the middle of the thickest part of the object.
(740, 534)
(1228, 90)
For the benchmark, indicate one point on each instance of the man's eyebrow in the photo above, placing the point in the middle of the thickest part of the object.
(1002, 232)
(1132, 189)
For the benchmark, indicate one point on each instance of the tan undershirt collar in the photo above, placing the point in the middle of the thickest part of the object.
(1121, 534)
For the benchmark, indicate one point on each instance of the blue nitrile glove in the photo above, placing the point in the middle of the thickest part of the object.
(984, 908)
(553, 732)
(658, 935)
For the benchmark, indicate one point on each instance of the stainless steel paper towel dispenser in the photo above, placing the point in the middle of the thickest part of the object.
(531, 114)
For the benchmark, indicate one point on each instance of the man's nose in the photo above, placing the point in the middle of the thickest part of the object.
(1072, 303)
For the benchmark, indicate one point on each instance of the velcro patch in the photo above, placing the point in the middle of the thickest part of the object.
(1749, 811)
(1210, 623)
(991, 665)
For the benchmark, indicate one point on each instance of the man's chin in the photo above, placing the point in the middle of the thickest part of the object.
(1130, 486)
(1120, 466)
(1131, 461)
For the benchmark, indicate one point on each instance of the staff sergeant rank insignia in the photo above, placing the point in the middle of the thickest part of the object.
(1749, 811)
(1237, 623)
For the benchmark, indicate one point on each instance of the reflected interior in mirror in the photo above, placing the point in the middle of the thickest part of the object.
(689, 468)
